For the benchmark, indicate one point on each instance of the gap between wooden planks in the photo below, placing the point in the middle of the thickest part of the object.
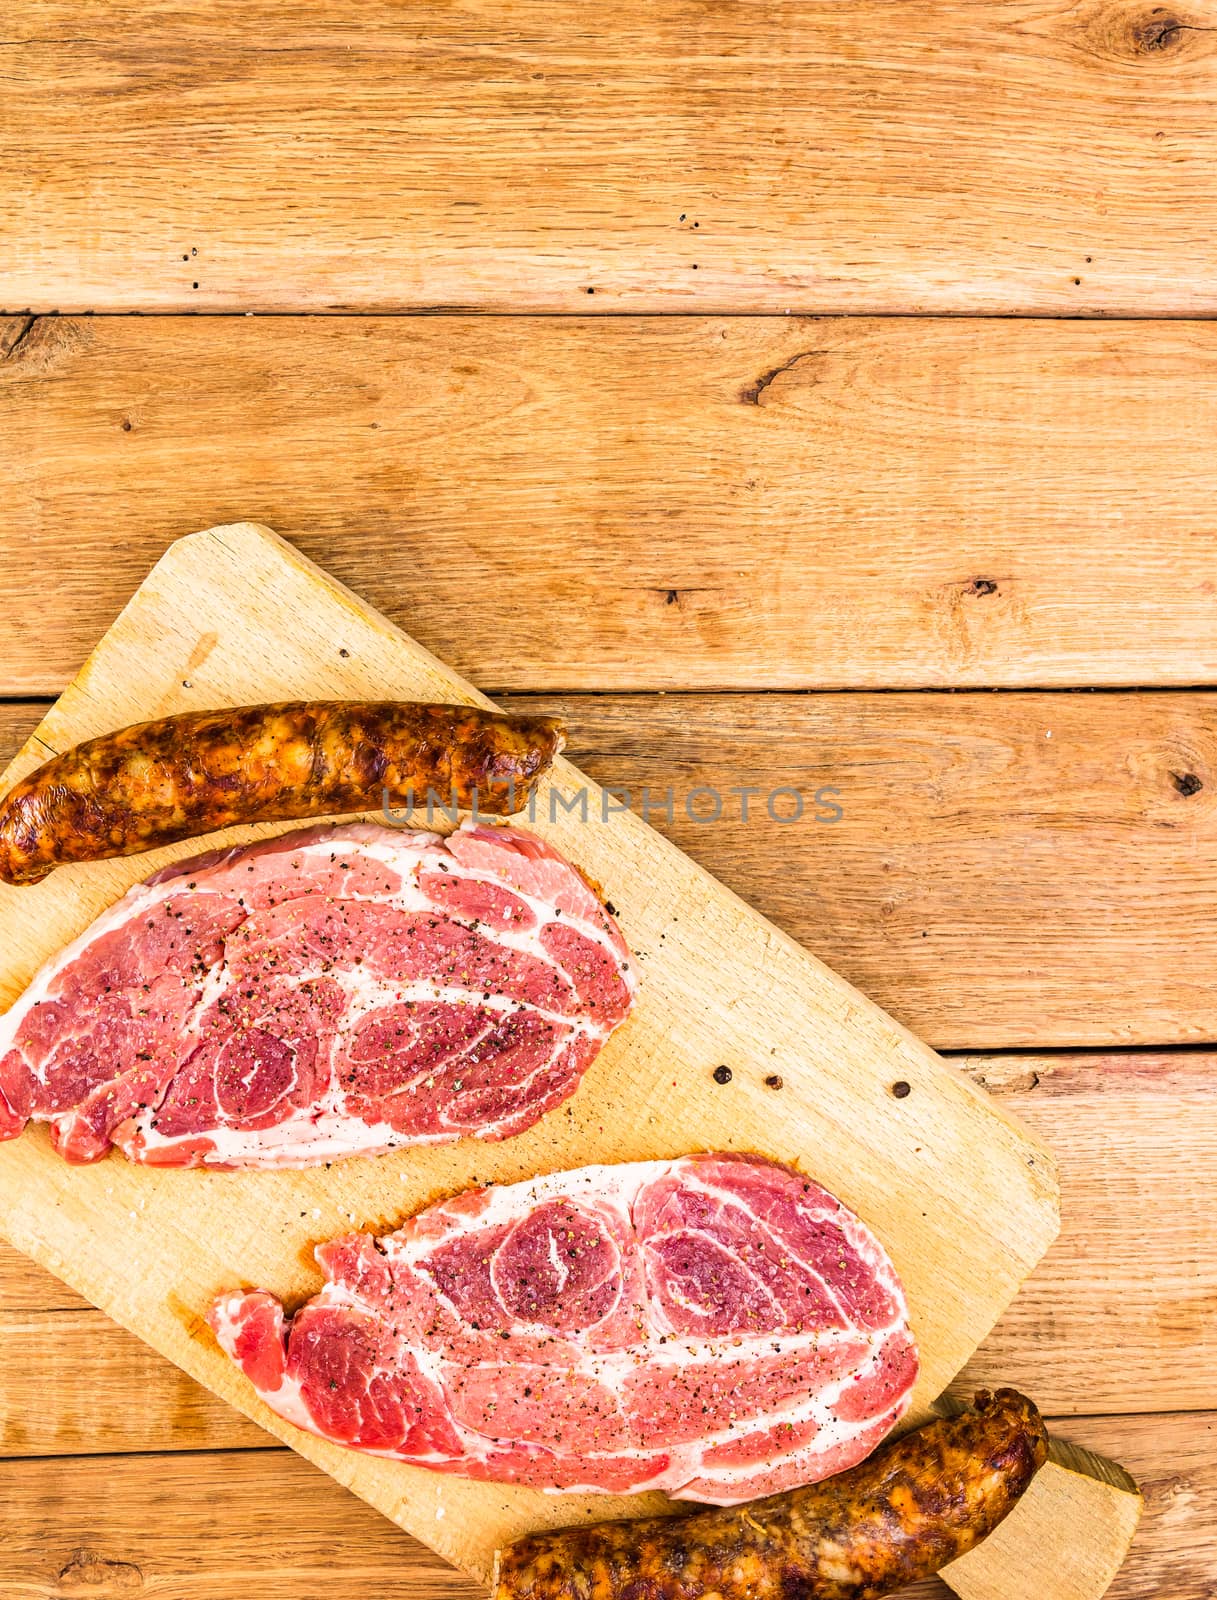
(1025, 870)
(290, 156)
(633, 503)
(215, 1526)
(1120, 1316)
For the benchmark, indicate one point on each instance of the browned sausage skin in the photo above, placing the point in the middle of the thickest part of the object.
(159, 782)
(915, 1504)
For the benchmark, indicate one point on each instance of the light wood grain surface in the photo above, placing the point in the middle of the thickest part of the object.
(638, 503)
(214, 1527)
(1001, 865)
(1008, 157)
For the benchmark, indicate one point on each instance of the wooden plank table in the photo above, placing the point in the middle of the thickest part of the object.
(717, 542)
(979, 155)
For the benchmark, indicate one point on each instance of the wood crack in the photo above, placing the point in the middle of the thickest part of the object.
(751, 394)
(23, 44)
(23, 333)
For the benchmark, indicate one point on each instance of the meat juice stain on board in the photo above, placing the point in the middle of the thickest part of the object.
(194, 1322)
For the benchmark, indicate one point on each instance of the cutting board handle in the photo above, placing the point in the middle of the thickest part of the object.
(1065, 1540)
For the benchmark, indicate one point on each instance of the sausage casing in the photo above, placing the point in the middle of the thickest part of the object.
(158, 782)
(917, 1503)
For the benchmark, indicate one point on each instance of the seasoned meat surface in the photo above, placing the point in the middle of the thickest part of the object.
(715, 1326)
(334, 991)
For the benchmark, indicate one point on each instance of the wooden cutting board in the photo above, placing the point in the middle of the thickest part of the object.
(961, 1195)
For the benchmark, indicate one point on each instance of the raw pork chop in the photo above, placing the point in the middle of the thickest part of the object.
(333, 992)
(717, 1327)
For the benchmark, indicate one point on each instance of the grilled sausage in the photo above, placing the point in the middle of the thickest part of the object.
(162, 781)
(915, 1504)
